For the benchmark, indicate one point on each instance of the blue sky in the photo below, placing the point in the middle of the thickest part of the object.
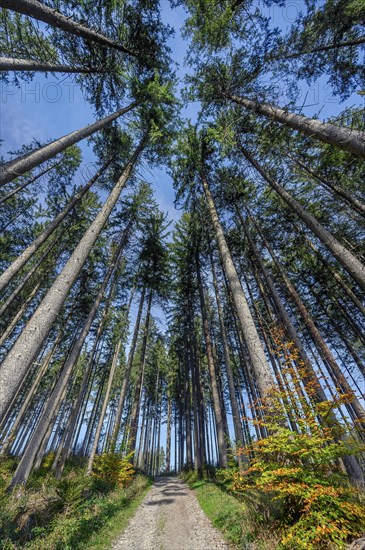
(49, 107)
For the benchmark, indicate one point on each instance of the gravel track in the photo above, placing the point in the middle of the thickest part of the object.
(170, 518)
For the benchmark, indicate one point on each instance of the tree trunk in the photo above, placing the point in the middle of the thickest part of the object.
(51, 424)
(325, 48)
(168, 434)
(17, 215)
(287, 396)
(28, 182)
(25, 256)
(354, 354)
(127, 373)
(25, 279)
(93, 416)
(10, 329)
(355, 203)
(147, 437)
(61, 442)
(337, 328)
(19, 166)
(181, 438)
(355, 300)
(25, 466)
(213, 437)
(22, 391)
(311, 377)
(104, 407)
(42, 12)
(187, 405)
(142, 440)
(16, 364)
(200, 404)
(207, 439)
(30, 394)
(260, 366)
(352, 265)
(222, 447)
(65, 445)
(82, 390)
(232, 392)
(248, 382)
(175, 441)
(358, 330)
(153, 443)
(317, 338)
(12, 64)
(194, 391)
(137, 391)
(157, 470)
(348, 140)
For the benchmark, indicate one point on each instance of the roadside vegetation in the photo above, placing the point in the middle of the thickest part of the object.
(221, 329)
(78, 511)
(291, 491)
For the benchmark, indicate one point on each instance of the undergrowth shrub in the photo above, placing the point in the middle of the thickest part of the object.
(51, 514)
(312, 504)
(294, 481)
(114, 468)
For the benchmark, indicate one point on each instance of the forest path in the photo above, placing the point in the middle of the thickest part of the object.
(170, 518)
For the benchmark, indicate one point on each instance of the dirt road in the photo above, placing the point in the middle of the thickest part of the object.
(170, 518)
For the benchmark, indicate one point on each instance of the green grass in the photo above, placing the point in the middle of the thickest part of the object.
(230, 515)
(95, 524)
(115, 525)
(75, 513)
(224, 511)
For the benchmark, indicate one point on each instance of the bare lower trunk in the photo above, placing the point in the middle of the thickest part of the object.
(232, 392)
(187, 406)
(93, 416)
(82, 390)
(222, 447)
(63, 453)
(25, 256)
(29, 395)
(142, 441)
(16, 364)
(245, 366)
(352, 265)
(157, 468)
(104, 407)
(25, 466)
(194, 390)
(311, 377)
(168, 434)
(126, 376)
(260, 366)
(137, 391)
(318, 340)
(57, 404)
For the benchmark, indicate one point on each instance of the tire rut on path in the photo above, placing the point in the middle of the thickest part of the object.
(170, 518)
